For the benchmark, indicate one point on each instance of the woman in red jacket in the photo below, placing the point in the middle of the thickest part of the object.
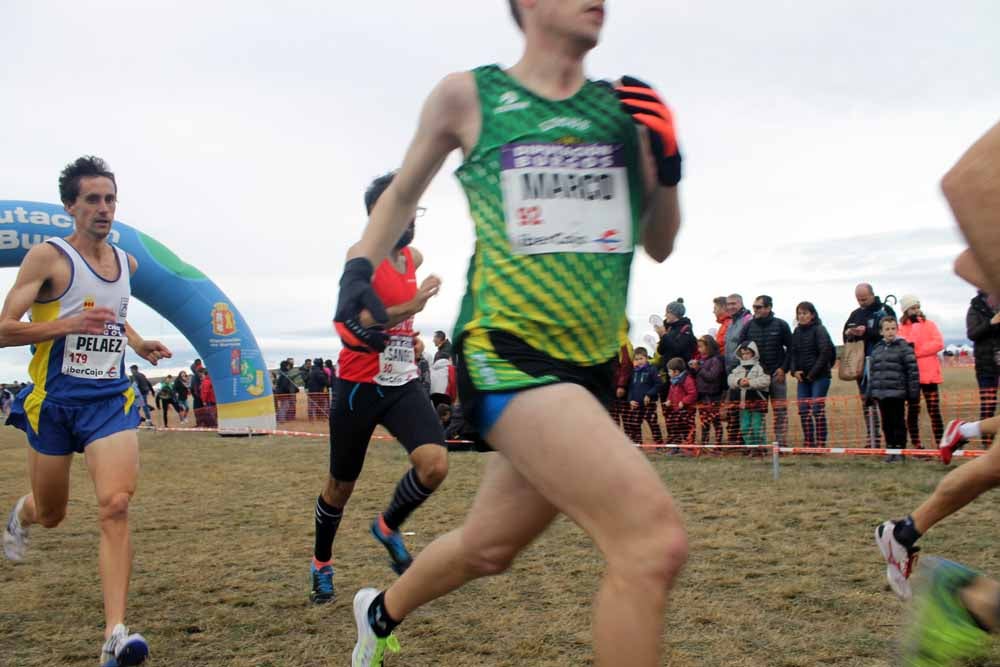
(925, 337)
(211, 419)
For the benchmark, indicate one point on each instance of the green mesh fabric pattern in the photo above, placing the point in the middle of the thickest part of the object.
(569, 305)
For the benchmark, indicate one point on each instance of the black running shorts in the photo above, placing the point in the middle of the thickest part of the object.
(507, 351)
(406, 411)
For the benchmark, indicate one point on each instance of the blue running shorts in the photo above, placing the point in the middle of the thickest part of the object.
(58, 429)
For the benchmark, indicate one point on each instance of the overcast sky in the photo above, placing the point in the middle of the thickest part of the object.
(243, 135)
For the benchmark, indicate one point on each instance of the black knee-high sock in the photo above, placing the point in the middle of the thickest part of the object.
(327, 522)
(410, 494)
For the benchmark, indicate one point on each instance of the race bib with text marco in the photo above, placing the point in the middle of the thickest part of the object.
(566, 198)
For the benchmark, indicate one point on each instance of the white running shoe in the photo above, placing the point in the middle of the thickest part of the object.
(123, 649)
(15, 536)
(951, 440)
(899, 561)
(370, 649)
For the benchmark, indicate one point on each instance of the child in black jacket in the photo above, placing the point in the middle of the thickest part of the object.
(893, 379)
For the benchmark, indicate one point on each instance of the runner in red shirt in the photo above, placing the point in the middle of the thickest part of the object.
(382, 388)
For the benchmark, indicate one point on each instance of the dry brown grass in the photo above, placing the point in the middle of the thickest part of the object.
(781, 574)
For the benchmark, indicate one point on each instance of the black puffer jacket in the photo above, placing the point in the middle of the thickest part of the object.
(812, 351)
(871, 319)
(985, 337)
(317, 381)
(773, 338)
(677, 341)
(893, 372)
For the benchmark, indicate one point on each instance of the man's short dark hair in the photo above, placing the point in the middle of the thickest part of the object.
(133, 367)
(376, 188)
(84, 167)
(440, 334)
(515, 11)
(765, 301)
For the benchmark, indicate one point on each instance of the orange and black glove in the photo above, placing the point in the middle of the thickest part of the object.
(357, 294)
(643, 103)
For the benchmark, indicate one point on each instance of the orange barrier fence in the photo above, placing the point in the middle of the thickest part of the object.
(833, 422)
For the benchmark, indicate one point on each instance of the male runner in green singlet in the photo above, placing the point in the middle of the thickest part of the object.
(562, 183)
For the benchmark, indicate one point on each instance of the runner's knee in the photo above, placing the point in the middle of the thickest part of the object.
(115, 506)
(488, 561)
(433, 469)
(655, 548)
(336, 493)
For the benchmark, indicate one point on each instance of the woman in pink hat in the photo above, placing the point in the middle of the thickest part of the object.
(925, 337)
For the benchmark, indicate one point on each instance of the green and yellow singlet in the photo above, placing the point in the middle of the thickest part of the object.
(555, 194)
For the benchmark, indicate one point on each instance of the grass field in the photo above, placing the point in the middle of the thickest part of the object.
(781, 574)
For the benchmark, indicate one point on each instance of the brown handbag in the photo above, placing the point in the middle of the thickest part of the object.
(852, 361)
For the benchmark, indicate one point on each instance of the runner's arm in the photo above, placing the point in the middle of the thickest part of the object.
(35, 270)
(661, 217)
(150, 350)
(972, 188)
(403, 311)
(396, 313)
(439, 132)
(135, 341)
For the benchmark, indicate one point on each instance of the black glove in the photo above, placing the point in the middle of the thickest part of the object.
(357, 294)
(641, 102)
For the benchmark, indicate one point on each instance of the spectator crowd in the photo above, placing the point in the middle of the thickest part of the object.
(731, 385)
(727, 386)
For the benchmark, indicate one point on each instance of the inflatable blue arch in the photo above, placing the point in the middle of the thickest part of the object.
(177, 291)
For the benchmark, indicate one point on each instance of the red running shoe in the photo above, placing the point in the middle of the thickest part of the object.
(951, 440)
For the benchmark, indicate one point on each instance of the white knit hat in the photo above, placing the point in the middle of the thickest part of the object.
(907, 301)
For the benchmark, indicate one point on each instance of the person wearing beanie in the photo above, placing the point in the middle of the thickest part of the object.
(676, 308)
(925, 337)
(676, 340)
